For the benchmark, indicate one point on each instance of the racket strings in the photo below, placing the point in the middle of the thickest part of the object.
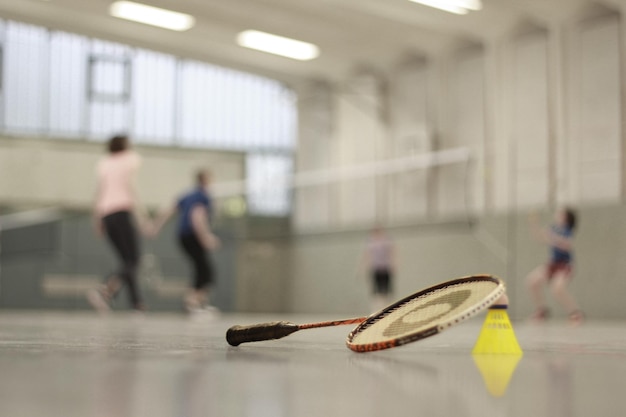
(402, 306)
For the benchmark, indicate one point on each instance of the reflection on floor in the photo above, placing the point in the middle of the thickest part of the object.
(82, 365)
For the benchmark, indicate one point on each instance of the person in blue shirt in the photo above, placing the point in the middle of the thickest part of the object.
(197, 240)
(558, 272)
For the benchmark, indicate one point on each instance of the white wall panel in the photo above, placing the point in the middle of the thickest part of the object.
(412, 134)
(63, 173)
(530, 123)
(596, 122)
(467, 129)
(312, 208)
(359, 140)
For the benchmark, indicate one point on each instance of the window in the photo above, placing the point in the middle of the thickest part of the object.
(25, 78)
(269, 188)
(155, 108)
(67, 81)
(69, 86)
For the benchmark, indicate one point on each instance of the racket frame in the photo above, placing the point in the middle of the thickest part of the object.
(498, 291)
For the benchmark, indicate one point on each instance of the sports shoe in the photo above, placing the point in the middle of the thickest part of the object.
(98, 300)
(576, 318)
(540, 315)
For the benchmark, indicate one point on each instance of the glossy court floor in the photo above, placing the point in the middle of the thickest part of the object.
(82, 365)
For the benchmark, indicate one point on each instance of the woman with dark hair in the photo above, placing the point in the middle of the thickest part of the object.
(114, 209)
(557, 273)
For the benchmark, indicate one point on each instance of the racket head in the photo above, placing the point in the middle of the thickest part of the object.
(426, 313)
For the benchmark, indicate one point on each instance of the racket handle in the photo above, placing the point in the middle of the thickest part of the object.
(258, 332)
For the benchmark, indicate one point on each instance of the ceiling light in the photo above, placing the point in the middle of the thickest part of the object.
(150, 15)
(452, 6)
(278, 45)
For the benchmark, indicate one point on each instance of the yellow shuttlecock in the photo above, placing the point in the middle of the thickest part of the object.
(497, 371)
(497, 335)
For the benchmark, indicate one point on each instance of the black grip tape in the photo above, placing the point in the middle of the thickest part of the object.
(257, 332)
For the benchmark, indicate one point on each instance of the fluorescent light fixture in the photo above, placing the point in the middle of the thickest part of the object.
(278, 45)
(150, 15)
(452, 6)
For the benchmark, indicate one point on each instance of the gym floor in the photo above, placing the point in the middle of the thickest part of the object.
(62, 364)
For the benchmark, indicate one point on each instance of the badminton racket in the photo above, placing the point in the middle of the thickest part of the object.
(420, 315)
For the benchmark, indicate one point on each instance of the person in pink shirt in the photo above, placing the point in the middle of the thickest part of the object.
(115, 210)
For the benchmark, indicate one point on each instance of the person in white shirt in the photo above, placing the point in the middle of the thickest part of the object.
(379, 258)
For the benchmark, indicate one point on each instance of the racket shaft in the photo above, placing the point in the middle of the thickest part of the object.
(237, 335)
(356, 320)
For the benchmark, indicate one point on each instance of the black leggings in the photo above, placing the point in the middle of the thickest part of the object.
(203, 270)
(120, 230)
(382, 281)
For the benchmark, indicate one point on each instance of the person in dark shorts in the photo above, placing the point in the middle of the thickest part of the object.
(115, 212)
(558, 272)
(379, 258)
(196, 239)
